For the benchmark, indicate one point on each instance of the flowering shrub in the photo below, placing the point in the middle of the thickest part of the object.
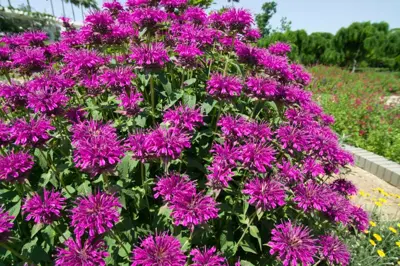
(157, 134)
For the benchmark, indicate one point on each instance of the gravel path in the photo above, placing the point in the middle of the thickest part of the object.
(373, 192)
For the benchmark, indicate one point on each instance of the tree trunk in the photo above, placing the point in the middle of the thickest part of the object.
(63, 7)
(83, 15)
(73, 12)
(52, 7)
(355, 61)
(9, 3)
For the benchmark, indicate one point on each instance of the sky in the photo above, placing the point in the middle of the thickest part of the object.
(311, 15)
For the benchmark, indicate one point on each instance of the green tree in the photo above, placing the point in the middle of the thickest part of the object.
(262, 19)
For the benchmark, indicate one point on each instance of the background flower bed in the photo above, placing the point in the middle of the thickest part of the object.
(160, 135)
(358, 103)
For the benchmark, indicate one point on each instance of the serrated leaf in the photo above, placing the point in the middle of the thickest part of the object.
(140, 121)
(42, 160)
(248, 247)
(126, 166)
(44, 179)
(84, 188)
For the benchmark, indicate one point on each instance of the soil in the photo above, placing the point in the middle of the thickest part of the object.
(374, 190)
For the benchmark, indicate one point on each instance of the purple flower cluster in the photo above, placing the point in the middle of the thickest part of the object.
(150, 56)
(265, 194)
(161, 249)
(207, 256)
(5, 224)
(15, 167)
(97, 149)
(44, 209)
(91, 253)
(279, 48)
(31, 133)
(293, 244)
(184, 117)
(95, 214)
(333, 250)
(224, 87)
(344, 187)
(189, 208)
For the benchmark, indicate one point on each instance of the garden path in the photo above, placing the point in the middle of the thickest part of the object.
(375, 194)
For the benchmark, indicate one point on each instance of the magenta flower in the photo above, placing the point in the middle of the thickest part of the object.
(44, 209)
(262, 87)
(333, 250)
(340, 209)
(237, 19)
(97, 149)
(76, 114)
(15, 167)
(48, 94)
(5, 224)
(117, 80)
(312, 168)
(288, 172)
(195, 15)
(224, 87)
(300, 75)
(82, 62)
(161, 249)
(311, 196)
(91, 253)
(359, 218)
(34, 38)
(99, 21)
(130, 103)
(114, 7)
(15, 95)
(33, 133)
(293, 244)
(4, 134)
(150, 56)
(170, 5)
(220, 175)
(167, 143)
(257, 157)
(148, 17)
(344, 187)
(207, 257)
(137, 144)
(137, 3)
(252, 35)
(234, 127)
(96, 213)
(184, 117)
(29, 60)
(265, 194)
(170, 185)
(191, 210)
(187, 54)
(279, 48)
(225, 154)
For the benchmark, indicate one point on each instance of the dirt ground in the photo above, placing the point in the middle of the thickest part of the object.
(375, 195)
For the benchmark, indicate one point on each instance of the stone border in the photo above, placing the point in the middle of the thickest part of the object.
(376, 165)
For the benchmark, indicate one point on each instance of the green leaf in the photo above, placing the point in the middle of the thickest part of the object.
(189, 82)
(126, 166)
(35, 229)
(14, 210)
(248, 247)
(121, 252)
(140, 121)
(44, 179)
(246, 263)
(165, 83)
(175, 96)
(207, 107)
(84, 188)
(189, 100)
(42, 159)
(254, 232)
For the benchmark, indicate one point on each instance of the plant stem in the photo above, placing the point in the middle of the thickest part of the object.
(245, 231)
(153, 107)
(55, 227)
(143, 177)
(14, 252)
(105, 181)
(118, 240)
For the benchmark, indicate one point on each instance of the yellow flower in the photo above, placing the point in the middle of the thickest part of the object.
(368, 195)
(398, 262)
(361, 193)
(382, 200)
(385, 194)
(379, 204)
(372, 242)
(398, 243)
(381, 253)
(371, 223)
(393, 230)
(377, 237)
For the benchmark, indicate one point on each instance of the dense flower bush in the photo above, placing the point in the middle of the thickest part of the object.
(157, 134)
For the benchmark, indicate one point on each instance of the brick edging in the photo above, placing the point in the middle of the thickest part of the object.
(376, 165)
